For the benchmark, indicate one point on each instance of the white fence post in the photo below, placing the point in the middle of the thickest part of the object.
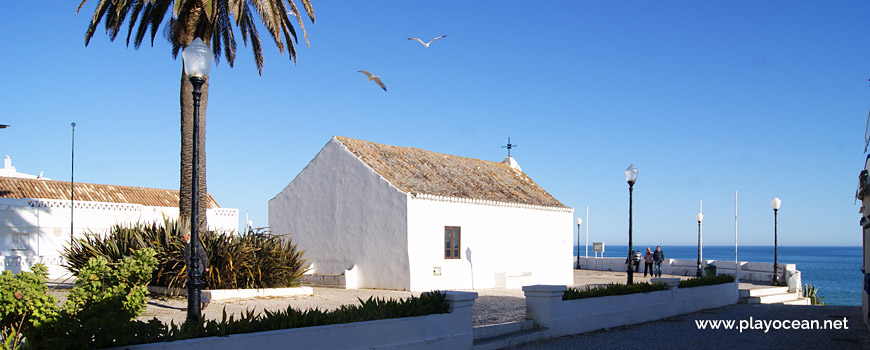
(541, 303)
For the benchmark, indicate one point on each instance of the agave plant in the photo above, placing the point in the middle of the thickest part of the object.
(810, 291)
(257, 259)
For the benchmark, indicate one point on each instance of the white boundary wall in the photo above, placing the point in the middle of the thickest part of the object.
(37, 230)
(544, 305)
(749, 271)
(452, 330)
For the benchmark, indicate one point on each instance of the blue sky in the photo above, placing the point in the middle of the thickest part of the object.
(705, 98)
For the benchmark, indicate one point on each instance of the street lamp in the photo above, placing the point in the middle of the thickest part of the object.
(197, 60)
(72, 193)
(775, 203)
(631, 178)
(579, 220)
(700, 218)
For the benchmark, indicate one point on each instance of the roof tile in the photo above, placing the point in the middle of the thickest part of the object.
(17, 188)
(418, 171)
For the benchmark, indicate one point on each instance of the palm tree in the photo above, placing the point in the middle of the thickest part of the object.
(212, 21)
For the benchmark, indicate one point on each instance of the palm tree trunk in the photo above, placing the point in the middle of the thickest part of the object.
(184, 203)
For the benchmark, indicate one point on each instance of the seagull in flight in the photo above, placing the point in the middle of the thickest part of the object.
(376, 78)
(430, 41)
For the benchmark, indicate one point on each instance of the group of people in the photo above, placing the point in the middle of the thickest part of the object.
(652, 261)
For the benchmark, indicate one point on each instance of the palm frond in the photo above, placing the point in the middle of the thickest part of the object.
(143, 25)
(158, 12)
(211, 20)
(133, 18)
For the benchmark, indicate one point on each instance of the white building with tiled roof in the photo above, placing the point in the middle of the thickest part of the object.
(35, 215)
(410, 219)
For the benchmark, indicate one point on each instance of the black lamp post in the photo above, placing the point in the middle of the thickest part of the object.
(700, 217)
(775, 203)
(197, 59)
(72, 193)
(579, 220)
(631, 178)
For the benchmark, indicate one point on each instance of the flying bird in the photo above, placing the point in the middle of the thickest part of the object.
(376, 78)
(430, 41)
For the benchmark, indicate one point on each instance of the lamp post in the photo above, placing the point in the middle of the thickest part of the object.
(631, 178)
(197, 59)
(579, 220)
(72, 193)
(700, 217)
(775, 203)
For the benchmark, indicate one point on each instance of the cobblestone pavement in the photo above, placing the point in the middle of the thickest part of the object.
(681, 332)
(493, 306)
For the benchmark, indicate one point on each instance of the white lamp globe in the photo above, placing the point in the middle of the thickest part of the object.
(775, 203)
(197, 59)
(631, 174)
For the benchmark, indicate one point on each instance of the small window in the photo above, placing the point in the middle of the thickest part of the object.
(451, 242)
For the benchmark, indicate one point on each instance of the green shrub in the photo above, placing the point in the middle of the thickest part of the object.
(612, 289)
(706, 281)
(24, 305)
(99, 311)
(257, 259)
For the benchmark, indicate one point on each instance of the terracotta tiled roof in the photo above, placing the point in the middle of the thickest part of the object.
(12, 187)
(418, 171)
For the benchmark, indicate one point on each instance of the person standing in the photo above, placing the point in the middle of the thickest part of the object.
(648, 262)
(203, 262)
(658, 258)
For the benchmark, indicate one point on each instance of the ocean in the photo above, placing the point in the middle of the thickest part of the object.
(835, 271)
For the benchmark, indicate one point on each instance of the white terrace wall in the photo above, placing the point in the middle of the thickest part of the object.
(750, 271)
(344, 214)
(37, 230)
(544, 305)
(502, 245)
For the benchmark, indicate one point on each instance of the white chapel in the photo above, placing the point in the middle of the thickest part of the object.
(409, 219)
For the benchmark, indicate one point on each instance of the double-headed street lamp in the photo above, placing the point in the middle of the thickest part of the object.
(631, 178)
(775, 203)
(197, 59)
(700, 218)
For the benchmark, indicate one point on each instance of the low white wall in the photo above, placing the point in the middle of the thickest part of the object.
(452, 330)
(749, 271)
(225, 294)
(544, 305)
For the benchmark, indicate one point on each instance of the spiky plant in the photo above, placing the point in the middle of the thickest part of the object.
(257, 259)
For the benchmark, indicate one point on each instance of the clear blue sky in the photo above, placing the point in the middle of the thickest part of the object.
(705, 98)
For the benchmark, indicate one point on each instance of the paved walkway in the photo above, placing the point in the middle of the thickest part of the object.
(681, 332)
(493, 306)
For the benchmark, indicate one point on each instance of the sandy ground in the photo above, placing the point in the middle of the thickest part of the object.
(493, 306)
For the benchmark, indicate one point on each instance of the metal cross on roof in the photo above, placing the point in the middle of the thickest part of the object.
(509, 146)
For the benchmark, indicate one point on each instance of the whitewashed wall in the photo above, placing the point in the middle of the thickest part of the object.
(501, 246)
(343, 214)
(38, 229)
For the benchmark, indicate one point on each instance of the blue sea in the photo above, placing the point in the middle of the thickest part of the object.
(835, 271)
